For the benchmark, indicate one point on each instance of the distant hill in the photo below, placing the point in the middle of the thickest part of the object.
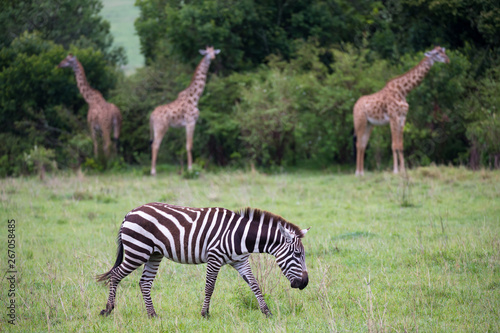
(122, 14)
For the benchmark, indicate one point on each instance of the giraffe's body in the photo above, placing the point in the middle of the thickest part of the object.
(102, 116)
(183, 112)
(389, 106)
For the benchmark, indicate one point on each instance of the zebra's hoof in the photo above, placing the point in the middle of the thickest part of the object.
(104, 313)
(205, 314)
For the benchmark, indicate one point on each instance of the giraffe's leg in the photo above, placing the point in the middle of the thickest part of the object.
(189, 143)
(117, 274)
(358, 158)
(213, 268)
(146, 282)
(362, 135)
(117, 124)
(106, 140)
(365, 137)
(158, 135)
(245, 271)
(395, 143)
(359, 127)
(94, 138)
(400, 144)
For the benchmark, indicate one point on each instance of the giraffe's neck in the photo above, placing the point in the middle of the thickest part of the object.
(408, 81)
(90, 95)
(199, 79)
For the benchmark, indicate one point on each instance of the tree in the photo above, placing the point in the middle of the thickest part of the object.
(247, 31)
(483, 115)
(65, 22)
(413, 25)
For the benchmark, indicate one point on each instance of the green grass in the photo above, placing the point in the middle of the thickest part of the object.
(428, 263)
(122, 14)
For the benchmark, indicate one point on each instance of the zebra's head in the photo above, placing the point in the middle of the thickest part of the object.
(291, 257)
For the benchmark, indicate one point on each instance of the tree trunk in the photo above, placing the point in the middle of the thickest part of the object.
(474, 156)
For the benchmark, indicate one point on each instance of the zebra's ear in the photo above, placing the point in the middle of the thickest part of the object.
(288, 236)
(304, 231)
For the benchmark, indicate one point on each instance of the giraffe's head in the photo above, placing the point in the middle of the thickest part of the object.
(209, 52)
(69, 61)
(438, 55)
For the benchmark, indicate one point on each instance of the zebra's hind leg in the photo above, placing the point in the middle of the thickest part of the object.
(243, 267)
(213, 267)
(146, 282)
(116, 275)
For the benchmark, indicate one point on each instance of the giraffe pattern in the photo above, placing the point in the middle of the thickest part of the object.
(389, 106)
(102, 116)
(183, 112)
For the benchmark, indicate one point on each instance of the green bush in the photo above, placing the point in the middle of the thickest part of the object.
(268, 117)
(301, 110)
(40, 160)
(483, 115)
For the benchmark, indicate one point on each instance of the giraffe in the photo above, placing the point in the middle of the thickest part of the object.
(389, 106)
(183, 112)
(102, 116)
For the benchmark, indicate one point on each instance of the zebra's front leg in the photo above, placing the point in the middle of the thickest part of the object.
(213, 268)
(146, 282)
(243, 267)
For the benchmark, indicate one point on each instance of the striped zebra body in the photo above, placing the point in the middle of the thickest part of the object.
(216, 236)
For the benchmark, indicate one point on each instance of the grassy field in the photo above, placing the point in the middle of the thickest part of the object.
(384, 253)
(122, 14)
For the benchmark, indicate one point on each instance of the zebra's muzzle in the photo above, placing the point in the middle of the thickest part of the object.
(301, 283)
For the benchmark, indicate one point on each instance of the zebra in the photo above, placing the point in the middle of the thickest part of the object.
(215, 236)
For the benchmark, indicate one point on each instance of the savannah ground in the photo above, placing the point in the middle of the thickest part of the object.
(384, 253)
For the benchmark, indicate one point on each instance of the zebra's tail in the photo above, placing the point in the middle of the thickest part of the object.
(119, 259)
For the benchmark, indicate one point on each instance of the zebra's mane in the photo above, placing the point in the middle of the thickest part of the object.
(257, 215)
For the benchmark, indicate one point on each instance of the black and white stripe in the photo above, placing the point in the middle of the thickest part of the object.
(215, 236)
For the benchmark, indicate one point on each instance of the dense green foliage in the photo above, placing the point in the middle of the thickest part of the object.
(484, 125)
(412, 25)
(65, 22)
(281, 91)
(249, 30)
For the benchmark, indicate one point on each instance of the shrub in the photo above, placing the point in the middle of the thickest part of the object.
(39, 160)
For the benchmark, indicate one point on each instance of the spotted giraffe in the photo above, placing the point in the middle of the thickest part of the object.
(183, 112)
(102, 116)
(389, 106)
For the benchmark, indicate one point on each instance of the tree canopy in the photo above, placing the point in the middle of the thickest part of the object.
(248, 30)
(64, 22)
